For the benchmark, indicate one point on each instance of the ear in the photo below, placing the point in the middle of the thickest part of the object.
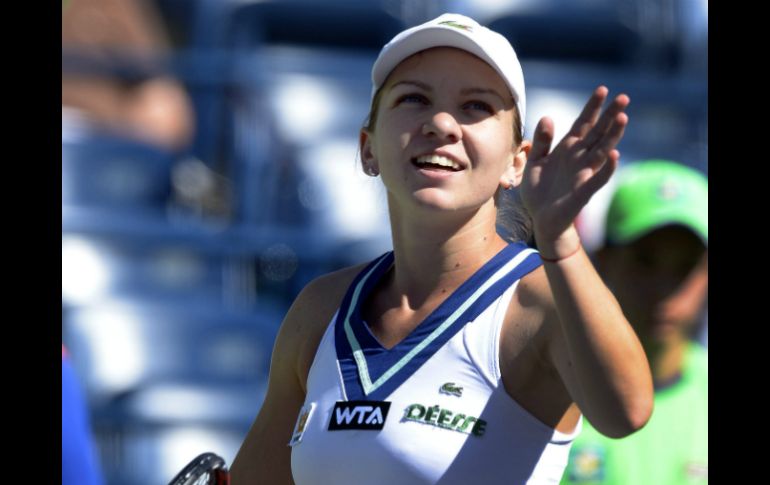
(517, 161)
(368, 161)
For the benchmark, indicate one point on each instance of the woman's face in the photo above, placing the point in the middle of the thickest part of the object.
(443, 137)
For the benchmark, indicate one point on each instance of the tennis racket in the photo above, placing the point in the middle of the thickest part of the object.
(205, 469)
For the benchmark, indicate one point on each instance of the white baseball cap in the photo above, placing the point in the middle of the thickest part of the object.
(461, 32)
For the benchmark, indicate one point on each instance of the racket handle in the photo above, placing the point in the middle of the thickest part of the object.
(221, 477)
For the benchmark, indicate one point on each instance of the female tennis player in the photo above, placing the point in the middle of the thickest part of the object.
(459, 357)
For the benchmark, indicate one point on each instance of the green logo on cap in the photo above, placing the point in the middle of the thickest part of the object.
(668, 190)
(454, 24)
(654, 193)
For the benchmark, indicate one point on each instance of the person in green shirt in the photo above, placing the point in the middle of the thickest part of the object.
(655, 261)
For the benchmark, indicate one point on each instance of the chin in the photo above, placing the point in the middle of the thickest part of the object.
(435, 199)
(442, 199)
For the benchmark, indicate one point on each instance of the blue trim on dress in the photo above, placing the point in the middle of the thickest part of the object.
(344, 353)
(379, 359)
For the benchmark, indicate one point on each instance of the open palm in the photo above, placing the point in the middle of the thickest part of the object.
(558, 184)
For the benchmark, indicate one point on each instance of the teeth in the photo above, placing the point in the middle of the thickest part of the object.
(438, 160)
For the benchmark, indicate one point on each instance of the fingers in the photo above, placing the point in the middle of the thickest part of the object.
(597, 155)
(542, 139)
(599, 179)
(587, 118)
(593, 135)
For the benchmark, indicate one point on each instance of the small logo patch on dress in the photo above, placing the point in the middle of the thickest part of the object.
(299, 429)
(451, 388)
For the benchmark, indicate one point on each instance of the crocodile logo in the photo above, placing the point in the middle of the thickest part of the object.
(452, 23)
(451, 388)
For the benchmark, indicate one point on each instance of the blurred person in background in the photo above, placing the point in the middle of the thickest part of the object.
(655, 261)
(145, 107)
(459, 357)
(80, 463)
(151, 107)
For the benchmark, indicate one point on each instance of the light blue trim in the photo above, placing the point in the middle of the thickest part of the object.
(358, 354)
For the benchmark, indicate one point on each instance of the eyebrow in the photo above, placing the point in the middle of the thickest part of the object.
(467, 91)
(419, 84)
(464, 91)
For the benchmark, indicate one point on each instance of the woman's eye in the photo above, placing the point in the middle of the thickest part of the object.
(412, 98)
(480, 106)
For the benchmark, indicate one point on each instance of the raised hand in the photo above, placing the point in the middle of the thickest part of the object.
(558, 184)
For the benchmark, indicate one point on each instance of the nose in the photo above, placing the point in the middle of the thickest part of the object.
(443, 126)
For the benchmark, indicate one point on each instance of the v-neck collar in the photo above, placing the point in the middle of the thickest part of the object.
(369, 370)
(364, 335)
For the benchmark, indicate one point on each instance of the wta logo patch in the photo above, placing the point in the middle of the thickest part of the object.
(366, 415)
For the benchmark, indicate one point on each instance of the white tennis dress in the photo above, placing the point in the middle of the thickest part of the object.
(449, 419)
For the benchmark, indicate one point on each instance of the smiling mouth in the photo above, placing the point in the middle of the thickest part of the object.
(436, 162)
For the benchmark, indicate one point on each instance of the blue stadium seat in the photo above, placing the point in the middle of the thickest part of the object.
(115, 173)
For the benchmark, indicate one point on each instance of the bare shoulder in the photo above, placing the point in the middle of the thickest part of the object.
(534, 291)
(264, 456)
(311, 313)
(319, 297)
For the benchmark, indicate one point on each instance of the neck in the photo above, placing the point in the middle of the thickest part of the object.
(436, 254)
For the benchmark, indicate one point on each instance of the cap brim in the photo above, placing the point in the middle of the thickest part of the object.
(637, 227)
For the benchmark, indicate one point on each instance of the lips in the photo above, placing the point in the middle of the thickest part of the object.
(436, 162)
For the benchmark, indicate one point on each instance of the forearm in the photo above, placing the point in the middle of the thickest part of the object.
(606, 369)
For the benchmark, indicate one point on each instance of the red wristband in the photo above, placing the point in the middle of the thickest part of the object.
(562, 259)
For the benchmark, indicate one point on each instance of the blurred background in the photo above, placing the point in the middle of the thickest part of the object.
(210, 170)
